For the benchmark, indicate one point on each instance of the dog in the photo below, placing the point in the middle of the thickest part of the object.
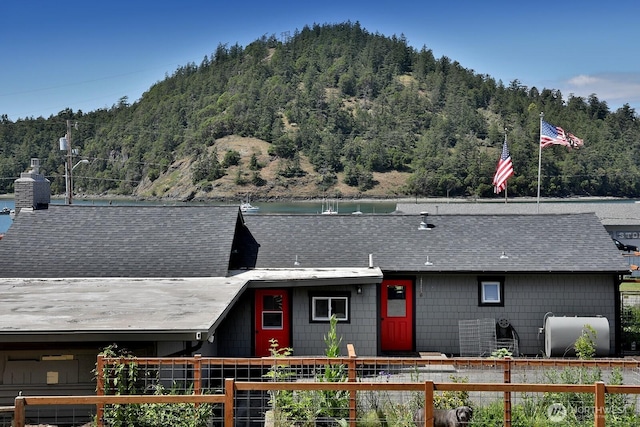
(458, 417)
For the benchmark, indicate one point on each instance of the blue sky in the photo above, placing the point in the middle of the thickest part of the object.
(87, 55)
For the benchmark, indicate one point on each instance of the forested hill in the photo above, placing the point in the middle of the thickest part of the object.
(330, 110)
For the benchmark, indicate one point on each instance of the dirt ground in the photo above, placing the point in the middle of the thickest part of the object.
(177, 182)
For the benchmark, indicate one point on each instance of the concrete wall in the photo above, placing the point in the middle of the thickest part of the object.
(443, 300)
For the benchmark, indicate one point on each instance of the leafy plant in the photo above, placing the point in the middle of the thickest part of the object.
(178, 414)
(501, 353)
(282, 401)
(630, 323)
(585, 345)
(575, 403)
(371, 418)
(307, 406)
(333, 403)
(452, 399)
(122, 379)
(398, 414)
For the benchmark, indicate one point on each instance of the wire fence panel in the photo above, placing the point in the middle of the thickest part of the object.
(358, 391)
(477, 337)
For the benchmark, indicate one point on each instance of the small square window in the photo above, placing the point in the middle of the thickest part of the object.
(491, 292)
(325, 306)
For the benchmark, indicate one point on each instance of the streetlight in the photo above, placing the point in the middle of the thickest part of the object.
(69, 180)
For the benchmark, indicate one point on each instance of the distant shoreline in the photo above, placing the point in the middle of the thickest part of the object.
(401, 199)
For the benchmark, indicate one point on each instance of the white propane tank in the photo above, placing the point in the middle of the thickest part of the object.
(561, 333)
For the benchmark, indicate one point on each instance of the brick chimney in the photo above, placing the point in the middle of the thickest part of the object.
(32, 189)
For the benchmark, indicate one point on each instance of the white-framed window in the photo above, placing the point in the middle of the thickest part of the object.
(272, 312)
(491, 292)
(325, 306)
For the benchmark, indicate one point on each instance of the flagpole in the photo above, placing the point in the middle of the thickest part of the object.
(506, 184)
(539, 161)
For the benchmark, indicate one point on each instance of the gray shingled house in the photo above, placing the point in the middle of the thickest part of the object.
(159, 281)
(441, 269)
(181, 280)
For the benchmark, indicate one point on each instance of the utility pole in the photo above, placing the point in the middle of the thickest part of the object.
(69, 166)
(65, 145)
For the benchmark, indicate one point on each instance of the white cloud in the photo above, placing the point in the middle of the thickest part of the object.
(583, 80)
(616, 89)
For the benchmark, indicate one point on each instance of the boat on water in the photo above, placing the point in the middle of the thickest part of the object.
(247, 207)
(5, 211)
(329, 207)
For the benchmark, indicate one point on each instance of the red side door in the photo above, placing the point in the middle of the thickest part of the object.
(396, 307)
(272, 320)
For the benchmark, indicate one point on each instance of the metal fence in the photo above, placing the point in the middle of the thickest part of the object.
(358, 390)
(630, 322)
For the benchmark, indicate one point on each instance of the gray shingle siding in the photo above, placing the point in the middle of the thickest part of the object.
(361, 331)
(446, 299)
(235, 335)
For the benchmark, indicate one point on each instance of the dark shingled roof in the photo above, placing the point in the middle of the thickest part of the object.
(208, 241)
(457, 243)
(609, 212)
(120, 241)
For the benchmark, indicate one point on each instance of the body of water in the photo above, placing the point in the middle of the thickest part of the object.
(298, 207)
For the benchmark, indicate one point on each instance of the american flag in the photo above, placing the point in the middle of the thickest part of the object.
(550, 135)
(574, 141)
(504, 170)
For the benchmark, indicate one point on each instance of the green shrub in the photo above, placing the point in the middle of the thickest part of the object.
(333, 403)
(231, 158)
(452, 399)
(371, 418)
(124, 378)
(585, 345)
(306, 406)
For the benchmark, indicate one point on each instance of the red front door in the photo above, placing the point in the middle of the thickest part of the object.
(272, 320)
(396, 306)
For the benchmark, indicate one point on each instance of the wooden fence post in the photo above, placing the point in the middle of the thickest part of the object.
(18, 412)
(229, 390)
(100, 389)
(197, 374)
(507, 394)
(428, 403)
(600, 404)
(352, 377)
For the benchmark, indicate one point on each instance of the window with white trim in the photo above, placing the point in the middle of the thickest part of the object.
(325, 306)
(491, 292)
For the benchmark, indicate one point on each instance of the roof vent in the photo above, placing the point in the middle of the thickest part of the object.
(35, 165)
(424, 225)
